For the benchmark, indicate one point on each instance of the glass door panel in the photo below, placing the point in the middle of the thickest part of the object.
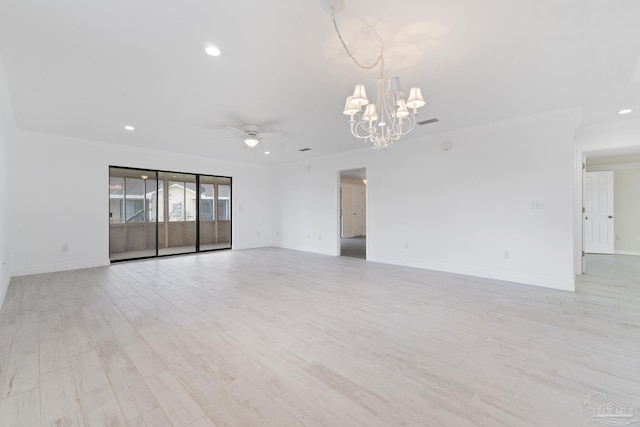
(215, 212)
(132, 228)
(178, 223)
(208, 237)
(223, 212)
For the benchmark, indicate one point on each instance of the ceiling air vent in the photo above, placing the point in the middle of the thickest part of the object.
(426, 122)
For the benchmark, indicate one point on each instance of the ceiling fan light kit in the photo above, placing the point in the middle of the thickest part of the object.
(391, 115)
(251, 141)
(250, 135)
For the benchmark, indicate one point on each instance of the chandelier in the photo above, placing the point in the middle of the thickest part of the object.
(388, 118)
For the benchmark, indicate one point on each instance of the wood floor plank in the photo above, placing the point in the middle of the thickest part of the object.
(21, 410)
(71, 420)
(113, 355)
(100, 408)
(88, 372)
(145, 358)
(22, 373)
(176, 402)
(58, 395)
(54, 355)
(78, 340)
(154, 418)
(132, 392)
(202, 422)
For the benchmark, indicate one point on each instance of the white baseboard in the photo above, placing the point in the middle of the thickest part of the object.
(51, 268)
(312, 250)
(636, 253)
(564, 285)
(4, 287)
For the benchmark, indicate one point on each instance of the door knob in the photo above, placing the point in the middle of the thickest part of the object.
(610, 216)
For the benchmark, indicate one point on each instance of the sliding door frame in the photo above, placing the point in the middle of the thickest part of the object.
(226, 180)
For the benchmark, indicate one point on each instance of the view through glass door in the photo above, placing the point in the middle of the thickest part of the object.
(177, 200)
(132, 222)
(157, 213)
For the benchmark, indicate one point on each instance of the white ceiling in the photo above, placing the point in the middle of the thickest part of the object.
(85, 68)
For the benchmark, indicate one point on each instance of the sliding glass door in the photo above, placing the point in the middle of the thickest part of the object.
(155, 213)
(215, 212)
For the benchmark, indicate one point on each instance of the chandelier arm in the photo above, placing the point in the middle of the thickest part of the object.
(361, 130)
(359, 124)
(380, 59)
(412, 124)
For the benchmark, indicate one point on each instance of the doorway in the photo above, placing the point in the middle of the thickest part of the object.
(353, 213)
(611, 228)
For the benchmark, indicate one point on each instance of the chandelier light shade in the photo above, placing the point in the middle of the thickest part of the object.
(359, 97)
(383, 121)
(415, 98)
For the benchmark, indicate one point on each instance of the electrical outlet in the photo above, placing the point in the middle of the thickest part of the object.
(507, 255)
(65, 248)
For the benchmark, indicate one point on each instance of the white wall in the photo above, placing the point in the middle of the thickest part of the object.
(459, 210)
(7, 126)
(456, 211)
(60, 198)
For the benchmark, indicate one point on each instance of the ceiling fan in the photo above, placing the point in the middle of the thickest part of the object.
(250, 133)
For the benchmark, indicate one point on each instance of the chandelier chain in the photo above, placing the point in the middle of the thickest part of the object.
(380, 59)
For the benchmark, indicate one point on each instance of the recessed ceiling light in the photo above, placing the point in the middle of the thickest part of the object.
(625, 111)
(267, 152)
(212, 50)
(129, 128)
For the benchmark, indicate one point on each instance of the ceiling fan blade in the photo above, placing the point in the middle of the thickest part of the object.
(240, 131)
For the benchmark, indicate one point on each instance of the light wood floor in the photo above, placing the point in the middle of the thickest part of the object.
(272, 337)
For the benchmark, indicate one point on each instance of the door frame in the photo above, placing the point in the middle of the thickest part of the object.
(581, 156)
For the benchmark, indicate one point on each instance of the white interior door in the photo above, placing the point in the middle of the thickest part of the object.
(347, 211)
(359, 213)
(598, 213)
